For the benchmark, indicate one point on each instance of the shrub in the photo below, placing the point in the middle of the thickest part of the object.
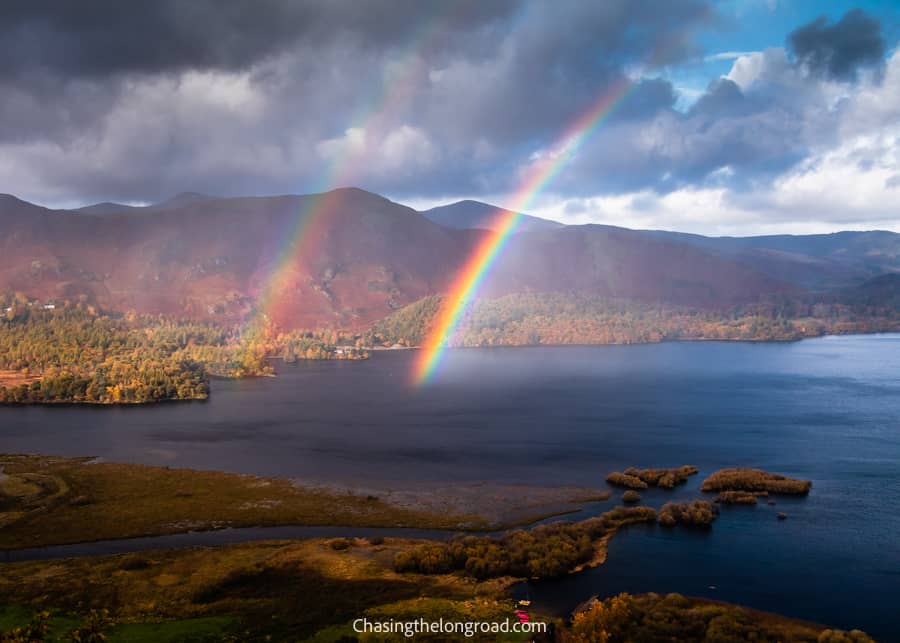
(624, 480)
(666, 478)
(631, 496)
(840, 636)
(426, 559)
(736, 498)
(134, 563)
(696, 513)
(340, 544)
(93, 629)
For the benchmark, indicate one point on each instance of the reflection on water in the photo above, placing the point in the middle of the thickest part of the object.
(824, 409)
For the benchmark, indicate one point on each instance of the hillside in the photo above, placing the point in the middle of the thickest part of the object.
(819, 262)
(347, 258)
(617, 262)
(213, 258)
(575, 318)
(815, 261)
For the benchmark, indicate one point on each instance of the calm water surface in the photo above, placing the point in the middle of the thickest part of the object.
(825, 409)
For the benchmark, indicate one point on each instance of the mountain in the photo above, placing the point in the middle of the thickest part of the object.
(617, 262)
(214, 258)
(477, 215)
(108, 207)
(181, 199)
(816, 261)
(105, 208)
(348, 257)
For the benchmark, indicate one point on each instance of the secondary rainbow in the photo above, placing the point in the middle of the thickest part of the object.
(542, 172)
(373, 116)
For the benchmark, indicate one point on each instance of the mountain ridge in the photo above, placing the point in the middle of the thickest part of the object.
(230, 258)
(468, 214)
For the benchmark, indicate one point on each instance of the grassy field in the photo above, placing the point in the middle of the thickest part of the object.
(61, 624)
(285, 589)
(49, 500)
(313, 590)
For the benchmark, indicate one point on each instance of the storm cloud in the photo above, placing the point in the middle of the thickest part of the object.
(838, 50)
(421, 100)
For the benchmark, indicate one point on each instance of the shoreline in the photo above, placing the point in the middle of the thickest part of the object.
(697, 340)
(75, 403)
(60, 501)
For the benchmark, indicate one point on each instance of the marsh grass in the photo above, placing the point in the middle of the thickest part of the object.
(78, 502)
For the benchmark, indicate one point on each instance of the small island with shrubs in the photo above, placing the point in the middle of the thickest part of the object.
(755, 481)
(634, 478)
(693, 513)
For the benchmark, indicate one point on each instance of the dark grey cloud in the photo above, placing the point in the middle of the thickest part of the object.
(258, 95)
(838, 50)
(110, 100)
(101, 37)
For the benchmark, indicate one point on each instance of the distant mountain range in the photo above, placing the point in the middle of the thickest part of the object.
(209, 257)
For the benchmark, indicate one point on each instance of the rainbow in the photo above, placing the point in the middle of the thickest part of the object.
(373, 115)
(538, 176)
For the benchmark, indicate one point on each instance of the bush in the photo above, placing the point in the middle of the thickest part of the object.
(696, 513)
(666, 478)
(631, 496)
(624, 480)
(736, 498)
(840, 636)
(340, 544)
(134, 563)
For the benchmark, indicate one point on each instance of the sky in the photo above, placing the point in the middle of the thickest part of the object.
(741, 117)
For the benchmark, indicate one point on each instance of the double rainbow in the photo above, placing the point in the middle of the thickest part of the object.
(472, 274)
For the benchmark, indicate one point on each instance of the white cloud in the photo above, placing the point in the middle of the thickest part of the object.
(729, 55)
(760, 66)
(849, 178)
(353, 141)
(407, 149)
(851, 186)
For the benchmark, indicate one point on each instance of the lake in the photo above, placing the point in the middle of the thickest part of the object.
(825, 409)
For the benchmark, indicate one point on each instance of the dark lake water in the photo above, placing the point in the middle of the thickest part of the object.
(825, 409)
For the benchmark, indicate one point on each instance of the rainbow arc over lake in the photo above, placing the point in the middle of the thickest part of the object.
(467, 282)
